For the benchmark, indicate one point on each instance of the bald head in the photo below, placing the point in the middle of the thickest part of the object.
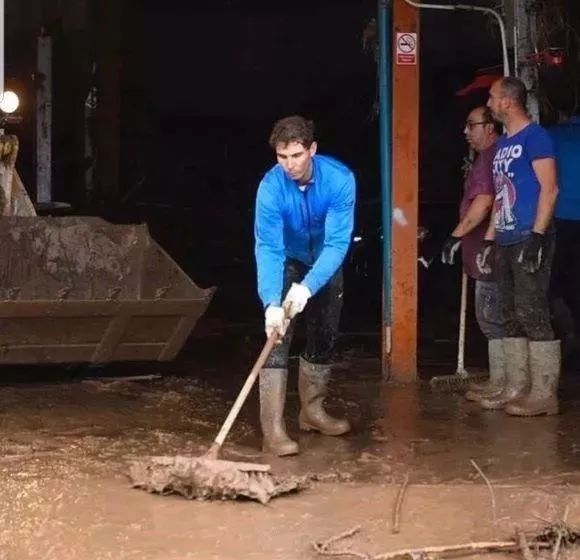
(514, 89)
(507, 100)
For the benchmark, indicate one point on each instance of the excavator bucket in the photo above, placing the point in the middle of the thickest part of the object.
(80, 289)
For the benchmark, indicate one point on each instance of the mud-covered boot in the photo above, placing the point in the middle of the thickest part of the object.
(495, 384)
(517, 373)
(545, 360)
(313, 388)
(272, 400)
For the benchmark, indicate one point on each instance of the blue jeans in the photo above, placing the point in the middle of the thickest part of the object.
(487, 309)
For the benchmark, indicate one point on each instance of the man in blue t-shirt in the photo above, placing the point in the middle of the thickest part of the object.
(303, 227)
(526, 189)
(565, 294)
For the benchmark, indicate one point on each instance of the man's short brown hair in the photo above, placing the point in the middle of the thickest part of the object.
(292, 129)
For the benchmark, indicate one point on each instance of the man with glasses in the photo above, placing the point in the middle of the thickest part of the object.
(526, 187)
(481, 133)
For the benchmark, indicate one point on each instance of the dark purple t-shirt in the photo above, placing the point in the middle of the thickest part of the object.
(478, 181)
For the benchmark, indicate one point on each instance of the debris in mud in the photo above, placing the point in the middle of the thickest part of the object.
(558, 536)
(332, 476)
(366, 457)
(203, 479)
(551, 538)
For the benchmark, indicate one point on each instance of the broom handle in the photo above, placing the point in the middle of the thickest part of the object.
(463, 312)
(241, 399)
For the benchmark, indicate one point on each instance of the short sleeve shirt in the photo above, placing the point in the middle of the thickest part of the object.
(479, 181)
(517, 189)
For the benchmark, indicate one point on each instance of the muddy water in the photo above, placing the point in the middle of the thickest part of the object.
(101, 424)
(65, 447)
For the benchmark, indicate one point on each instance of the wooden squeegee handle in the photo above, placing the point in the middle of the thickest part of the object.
(462, 318)
(241, 399)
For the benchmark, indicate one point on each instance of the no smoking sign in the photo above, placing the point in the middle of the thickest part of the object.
(407, 48)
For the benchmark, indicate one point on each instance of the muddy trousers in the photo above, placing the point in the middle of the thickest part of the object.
(525, 311)
(532, 356)
(487, 309)
(322, 315)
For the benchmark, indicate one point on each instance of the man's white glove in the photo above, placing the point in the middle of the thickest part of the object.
(296, 299)
(276, 321)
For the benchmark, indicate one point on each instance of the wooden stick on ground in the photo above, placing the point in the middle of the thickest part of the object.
(556, 551)
(471, 548)
(399, 505)
(491, 491)
(322, 548)
(475, 547)
(524, 546)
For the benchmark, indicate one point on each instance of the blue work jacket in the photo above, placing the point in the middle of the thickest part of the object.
(313, 226)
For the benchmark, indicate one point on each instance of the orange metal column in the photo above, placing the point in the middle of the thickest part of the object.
(405, 192)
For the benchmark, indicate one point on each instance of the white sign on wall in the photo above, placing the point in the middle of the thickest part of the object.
(407, 48)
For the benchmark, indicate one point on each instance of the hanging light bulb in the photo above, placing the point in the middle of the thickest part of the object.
(9, 102)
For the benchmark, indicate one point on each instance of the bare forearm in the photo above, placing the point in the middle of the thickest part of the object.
(545, 170)
(476, 214)
(490, 233)
(546, 204)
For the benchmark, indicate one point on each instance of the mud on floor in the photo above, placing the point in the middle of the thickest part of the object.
(65, 447)
(95, 517)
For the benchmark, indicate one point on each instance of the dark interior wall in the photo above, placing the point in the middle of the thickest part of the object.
(242, 60)
(220, 72)
(22, 20)
(66, 21)
(202, 83)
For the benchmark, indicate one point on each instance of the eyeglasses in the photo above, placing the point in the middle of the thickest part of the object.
(469, 125)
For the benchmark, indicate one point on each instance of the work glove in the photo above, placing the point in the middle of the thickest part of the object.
(450, 247)
(296, 299)
(424, 262)
(276, 321)
(532, 252)
(483, 259)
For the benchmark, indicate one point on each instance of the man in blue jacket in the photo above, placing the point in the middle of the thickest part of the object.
(303, 227)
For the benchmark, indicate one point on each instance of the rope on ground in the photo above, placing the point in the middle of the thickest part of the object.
(399, 505)
(491, 491)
